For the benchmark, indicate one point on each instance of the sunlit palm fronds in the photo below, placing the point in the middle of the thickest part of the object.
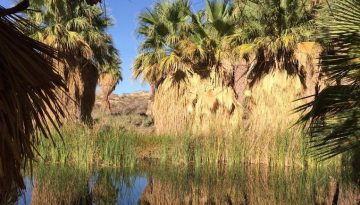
(29, 106)
(177, 39)
(162, 28)
(334, 115)
(271, 30)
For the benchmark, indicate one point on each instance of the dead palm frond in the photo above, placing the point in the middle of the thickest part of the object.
(29, 106)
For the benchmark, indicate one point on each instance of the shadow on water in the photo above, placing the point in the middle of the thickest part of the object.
(153, 184)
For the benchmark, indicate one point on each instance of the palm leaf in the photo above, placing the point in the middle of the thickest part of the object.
(29, 105)
(333, 115)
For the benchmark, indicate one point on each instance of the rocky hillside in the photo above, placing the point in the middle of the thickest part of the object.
(126, 104)
(129, 111)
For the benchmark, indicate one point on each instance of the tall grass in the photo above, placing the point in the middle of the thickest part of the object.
(105, 144)
(265, 131)
(90, 147)
(108, 144)
(197, 123)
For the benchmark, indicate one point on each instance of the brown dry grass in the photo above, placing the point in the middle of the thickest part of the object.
(271, 118)
(195, 106)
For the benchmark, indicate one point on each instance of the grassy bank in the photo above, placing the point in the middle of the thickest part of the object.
(108, 143)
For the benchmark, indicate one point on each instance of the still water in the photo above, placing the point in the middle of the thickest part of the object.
(153, 184)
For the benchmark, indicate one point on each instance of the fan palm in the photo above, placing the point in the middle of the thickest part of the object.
(207, 47)
(78, 32)
(176, 40)
(334, 113)
(270, 33)
(181, 48)
(162, 28)
(29, 105)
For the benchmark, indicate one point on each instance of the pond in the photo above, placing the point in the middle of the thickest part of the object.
(155, 184)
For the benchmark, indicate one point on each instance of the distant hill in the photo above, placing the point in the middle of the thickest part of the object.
(126, 104)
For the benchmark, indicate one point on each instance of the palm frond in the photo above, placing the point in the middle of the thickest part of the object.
(333, 115)
(29, 105)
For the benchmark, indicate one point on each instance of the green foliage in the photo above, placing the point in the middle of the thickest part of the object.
(270, 33)
(110, 145)
(76, 29)
(161, 28)
(207, 40)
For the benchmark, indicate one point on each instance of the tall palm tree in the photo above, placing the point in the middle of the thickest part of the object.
(78, 32)
(333, 115)
(207, 47)
(180, 49)
(29, 103)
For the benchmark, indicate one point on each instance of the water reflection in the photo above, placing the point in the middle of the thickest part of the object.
(170, 185)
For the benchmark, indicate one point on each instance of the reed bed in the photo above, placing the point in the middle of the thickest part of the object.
(108, 144)
(105, 144)
(209, 116)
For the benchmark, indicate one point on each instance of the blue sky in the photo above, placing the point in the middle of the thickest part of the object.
(124, 14)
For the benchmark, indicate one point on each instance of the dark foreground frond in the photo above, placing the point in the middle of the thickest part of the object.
(334, 115)
(29, 105)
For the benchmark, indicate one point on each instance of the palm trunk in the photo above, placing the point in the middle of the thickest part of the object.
(81, 81)
(240, 80)
(89, 78)
(307, 55)
(105, 102)
(107, 83)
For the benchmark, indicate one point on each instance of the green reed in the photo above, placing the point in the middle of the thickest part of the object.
(110, 145)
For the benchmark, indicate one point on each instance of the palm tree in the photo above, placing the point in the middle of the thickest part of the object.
(333, 115)
(78, 32)
(29, 105)
(270, 33)
(109, 78)
(176, 40)
(162, 28)
(180, 49)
